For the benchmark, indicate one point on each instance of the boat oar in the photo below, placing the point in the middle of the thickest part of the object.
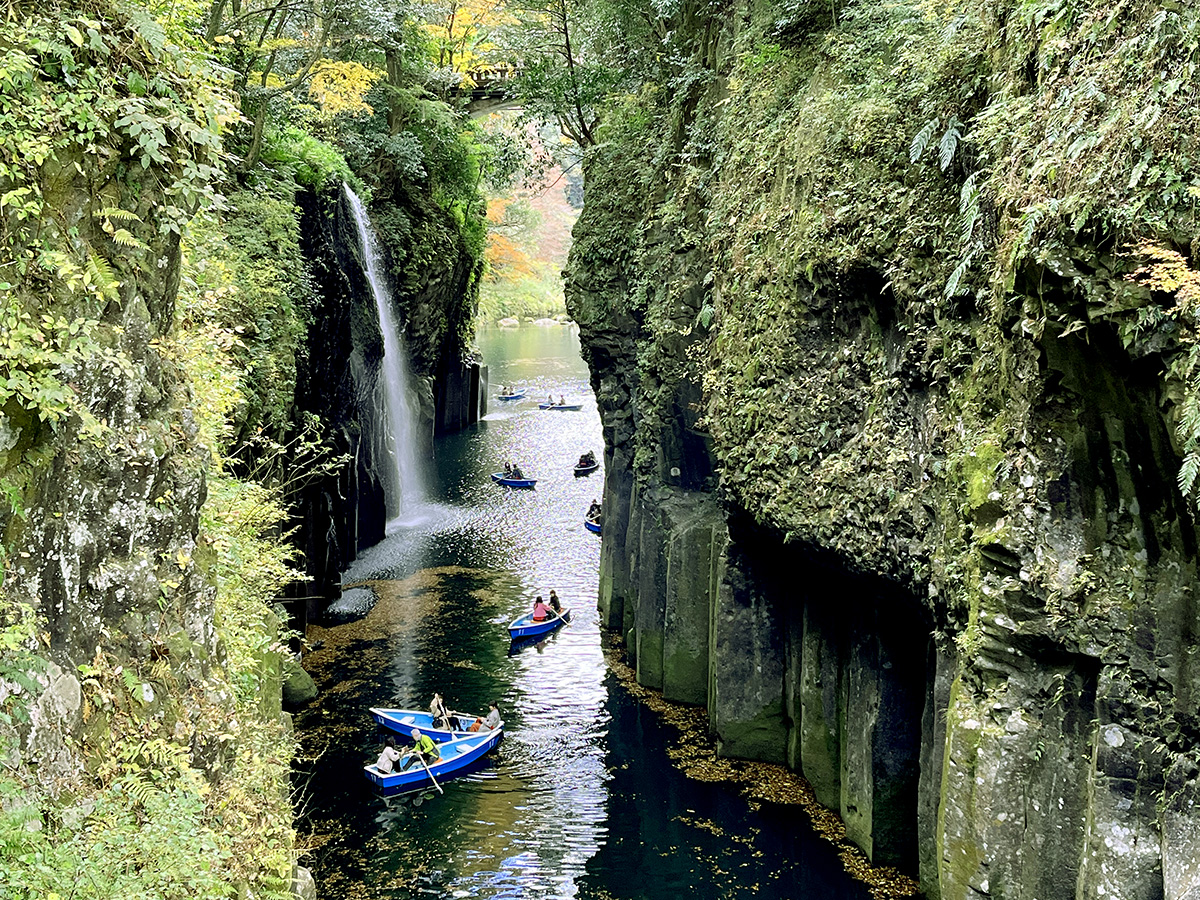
(429, 772)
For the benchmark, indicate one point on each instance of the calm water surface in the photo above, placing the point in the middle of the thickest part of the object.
(580, 800)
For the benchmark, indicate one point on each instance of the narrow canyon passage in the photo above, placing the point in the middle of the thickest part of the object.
(582, 799)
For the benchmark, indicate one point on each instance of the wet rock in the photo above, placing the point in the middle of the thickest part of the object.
(298, 687)
(304, 886)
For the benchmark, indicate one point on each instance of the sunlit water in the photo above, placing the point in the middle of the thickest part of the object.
(580, 800)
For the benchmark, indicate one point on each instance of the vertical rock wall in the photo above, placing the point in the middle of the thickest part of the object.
(340, 378)
(928, 550)
(342, 514)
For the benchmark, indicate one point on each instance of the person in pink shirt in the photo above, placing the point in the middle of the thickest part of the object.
(541, 611)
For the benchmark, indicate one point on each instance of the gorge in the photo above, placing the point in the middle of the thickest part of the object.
(889, 312)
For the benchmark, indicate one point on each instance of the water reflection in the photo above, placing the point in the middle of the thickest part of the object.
(580, 799)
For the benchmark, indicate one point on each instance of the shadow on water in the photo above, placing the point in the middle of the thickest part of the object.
(580, 799)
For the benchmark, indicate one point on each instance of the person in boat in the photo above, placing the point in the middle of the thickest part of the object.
(541, 612)
(441, 716)
(562, 401)
(593, 513)
(555, 604)
(550, 399)
(516, 473)
(389, 757)
(508, 470)
(492, 722)
(424, 750)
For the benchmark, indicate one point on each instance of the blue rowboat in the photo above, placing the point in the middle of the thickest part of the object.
(560, 406)
(456, 756)
(403, 721)
(591, 526)
(515, 395)
(524, 626)
(501, 478)
(587, 470)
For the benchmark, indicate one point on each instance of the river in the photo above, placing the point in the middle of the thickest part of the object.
(581, 799)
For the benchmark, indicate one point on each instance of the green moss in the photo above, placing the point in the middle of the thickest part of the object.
(979, 472)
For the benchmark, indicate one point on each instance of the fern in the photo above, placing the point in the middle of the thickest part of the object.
(968, 206)
(133, 684)
(949, 143)
(921, 142)
(122, 237)
(116, 212)
(1188, 472)
(101, 277)
(956, 277)
(1189, 423)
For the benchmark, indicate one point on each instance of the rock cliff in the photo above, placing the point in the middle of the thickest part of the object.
(892, 397)
(433, 276)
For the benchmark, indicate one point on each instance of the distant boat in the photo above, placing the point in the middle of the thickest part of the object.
(501, 478)
(403, 721)
(563, 406)
(456, 756)
(588, 469)
(524, 626)
(591, 526)
(515, 395)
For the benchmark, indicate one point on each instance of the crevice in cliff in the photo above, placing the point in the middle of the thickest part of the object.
(855, 666)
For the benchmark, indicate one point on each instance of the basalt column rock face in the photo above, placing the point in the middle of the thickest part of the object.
(949, 572)
(434, 268)
(101, 527)
(340, 382)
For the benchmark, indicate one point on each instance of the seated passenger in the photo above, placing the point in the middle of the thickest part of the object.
(389, 757)
(492, 722)
(541, 612)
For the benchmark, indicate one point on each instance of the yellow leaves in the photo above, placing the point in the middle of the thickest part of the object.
(1168, 272)
(506, 259)
(339, 87)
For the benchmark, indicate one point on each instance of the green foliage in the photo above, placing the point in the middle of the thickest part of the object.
(246, 288)
(37, 359)
(312, 162)
(1108, 139)
(88, 96)
(537, 295)
(19, 666)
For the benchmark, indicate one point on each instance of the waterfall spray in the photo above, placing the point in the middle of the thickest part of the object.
(406, 493)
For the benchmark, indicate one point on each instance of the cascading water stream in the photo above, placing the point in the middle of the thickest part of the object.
(406, 492)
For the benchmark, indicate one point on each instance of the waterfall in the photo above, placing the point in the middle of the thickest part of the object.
(406, 491)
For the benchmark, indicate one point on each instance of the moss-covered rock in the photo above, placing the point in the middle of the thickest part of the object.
(887, 249)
